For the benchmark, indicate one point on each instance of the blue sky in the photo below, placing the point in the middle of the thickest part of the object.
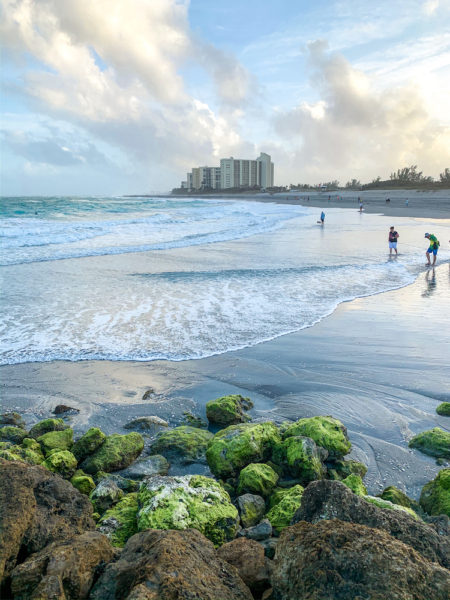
(125, 96)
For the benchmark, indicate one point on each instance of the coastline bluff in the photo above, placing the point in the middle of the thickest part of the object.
(285, 516)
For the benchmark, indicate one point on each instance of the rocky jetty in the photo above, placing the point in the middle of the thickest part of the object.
(285, 515)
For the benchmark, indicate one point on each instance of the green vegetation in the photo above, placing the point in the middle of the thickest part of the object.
(434, 442)
(435, 496)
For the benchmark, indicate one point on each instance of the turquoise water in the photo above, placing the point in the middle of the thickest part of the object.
(150, 278)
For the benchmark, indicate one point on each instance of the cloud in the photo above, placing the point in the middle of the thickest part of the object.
(356, 129)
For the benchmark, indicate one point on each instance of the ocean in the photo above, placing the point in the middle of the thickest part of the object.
(167, 278)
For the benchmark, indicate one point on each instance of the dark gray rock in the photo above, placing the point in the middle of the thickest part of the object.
(147, 467)
(150, 424)
(262, 531)
(12, 418)
(252, 508)
(106, 494)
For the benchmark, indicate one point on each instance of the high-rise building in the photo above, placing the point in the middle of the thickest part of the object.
(202, 178)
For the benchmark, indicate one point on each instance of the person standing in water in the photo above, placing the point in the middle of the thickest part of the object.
(433, 249)
(393, 237)
(322, 217)
(360, 206)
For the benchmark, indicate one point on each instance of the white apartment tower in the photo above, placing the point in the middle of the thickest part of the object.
(236, 173)
(204, 178)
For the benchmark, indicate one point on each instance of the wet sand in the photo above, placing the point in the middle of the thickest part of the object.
(380, 364)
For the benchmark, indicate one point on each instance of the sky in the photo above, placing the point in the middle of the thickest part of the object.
(111, 97)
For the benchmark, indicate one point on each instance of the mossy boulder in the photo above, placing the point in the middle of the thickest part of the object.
(228, 410)
(434, 442)
(116, 452)
(193, 421)
(56, 440)
(106, 494)
(82, 482)
(443, 409)
(45, 426)
(29, 451)
(257, 478)
(62, 462)
(235, 447)
(396, 496)
(184, 443)
(188, 502)
(284, 503)
(340, 469)
(10, 433)
(390, 505)
(300, 457)
(88, 443)
(120, 522)
(123, 483)
(435, 496)
(327, 432)
(12, 418)
(355, 483)
(251, 509)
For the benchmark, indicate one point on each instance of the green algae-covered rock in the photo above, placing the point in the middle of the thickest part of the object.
(228, 410)
(82, 482)
(284, 504)
(184, 443)
(443, 409)
(45, 426)
(300, 457)
(257, 478)
(355, 483)
(343, 468)
(116, 452)
(13, 434)
(239, 445)
(120, 522)
(193, 421)
(189, 501)
(26, 452)
(56, 440)
(390, 505)
(327, 432)
(126, 485)
(435, 496)
(106, 494)
(434, 442)
(62, 462)
(396, 496)
(88, 443)
(251, 509)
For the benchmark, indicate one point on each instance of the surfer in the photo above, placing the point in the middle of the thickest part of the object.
(393, 236)
(433, 249)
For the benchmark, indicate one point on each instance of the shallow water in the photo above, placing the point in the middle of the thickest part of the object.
(146, 279)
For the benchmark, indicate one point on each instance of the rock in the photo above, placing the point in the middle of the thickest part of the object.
(355, 483)
(385, 504)
(228, 410)
(82, 482)
(284, 504)
(45, 426)
(146, 395)
(239, 445)
(147, 424)
(193, 421)
(251, 509)
(62, 462)
(63, 569)
(10, 433)
(257, 478)
(396, 496)
(189, 501)
(247, 556)
(262, 531)
(36, 508)
(124, 484)
(64, 409)
(434, 442)
(435, 496)
(147, 467)
(327, 432)
(186, 444)
(105, 495)
(340, 469)
(164, 565)
(269, 546)
(336, 560)
(88, 443)
(301, 458)
(443, 409)
(333, 500)
(119, 523)
(56, 440)
(29, 451)
(117, 452)
(12, 418)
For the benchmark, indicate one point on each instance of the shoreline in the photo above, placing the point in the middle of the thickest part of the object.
(342, 366)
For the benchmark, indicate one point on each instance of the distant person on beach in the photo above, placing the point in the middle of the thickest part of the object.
(407, 203)
(393, 237)
(433, 249)
(360, 206)
(322, 217)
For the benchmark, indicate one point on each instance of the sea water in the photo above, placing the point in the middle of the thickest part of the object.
(169, 278)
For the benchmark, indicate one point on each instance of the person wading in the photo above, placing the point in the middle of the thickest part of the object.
(393, 237)
(433, 249)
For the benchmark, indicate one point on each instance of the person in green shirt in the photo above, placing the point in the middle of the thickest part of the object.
(433, 249)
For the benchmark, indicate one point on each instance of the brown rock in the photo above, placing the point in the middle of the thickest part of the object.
(169, 565)
(63, 570)
(339, 560)
(333, 500)
(36, 508)
(248, 558)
